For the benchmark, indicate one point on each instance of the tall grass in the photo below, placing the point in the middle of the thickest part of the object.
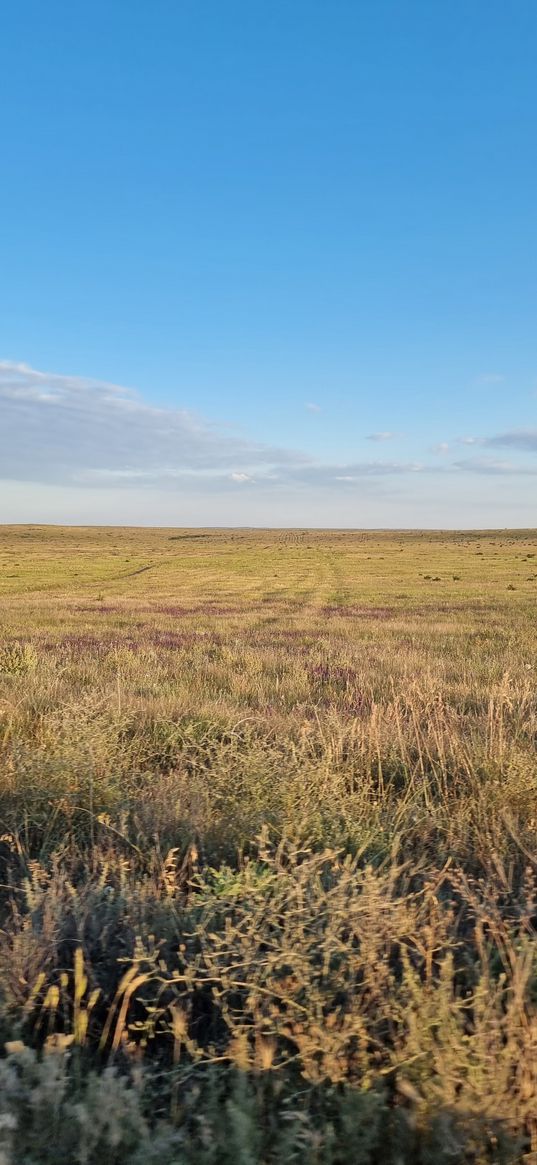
(268, 853)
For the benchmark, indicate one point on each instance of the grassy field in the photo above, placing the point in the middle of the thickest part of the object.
(268, 810)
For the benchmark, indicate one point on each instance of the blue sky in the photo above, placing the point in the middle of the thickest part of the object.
(269, 263)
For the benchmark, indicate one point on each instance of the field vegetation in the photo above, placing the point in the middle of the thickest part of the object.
(268, 860)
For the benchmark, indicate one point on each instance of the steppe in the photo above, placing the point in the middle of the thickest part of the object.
(268, 811)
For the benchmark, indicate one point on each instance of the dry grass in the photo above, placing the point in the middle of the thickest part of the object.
(268, 862)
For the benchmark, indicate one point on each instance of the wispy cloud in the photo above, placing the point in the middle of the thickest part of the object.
(495, 467)
(489, 378)
(312, 407)
(525, 440)
(67, 431)
(522, 440)
(72, 431)
(331, 476)
(442, 447)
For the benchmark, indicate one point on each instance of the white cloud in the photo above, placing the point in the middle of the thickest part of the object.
(386, 435)
(240, 477)
(442, 447)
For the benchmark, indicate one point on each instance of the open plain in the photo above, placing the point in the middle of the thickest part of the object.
(268, 806)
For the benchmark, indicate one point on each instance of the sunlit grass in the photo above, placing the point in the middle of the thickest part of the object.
(268, 803)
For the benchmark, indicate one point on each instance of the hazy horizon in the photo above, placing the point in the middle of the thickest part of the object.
(478, 530)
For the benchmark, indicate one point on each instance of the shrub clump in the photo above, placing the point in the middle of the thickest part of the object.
(17, 659)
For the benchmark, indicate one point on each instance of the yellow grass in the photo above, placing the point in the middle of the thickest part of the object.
(268, 803)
